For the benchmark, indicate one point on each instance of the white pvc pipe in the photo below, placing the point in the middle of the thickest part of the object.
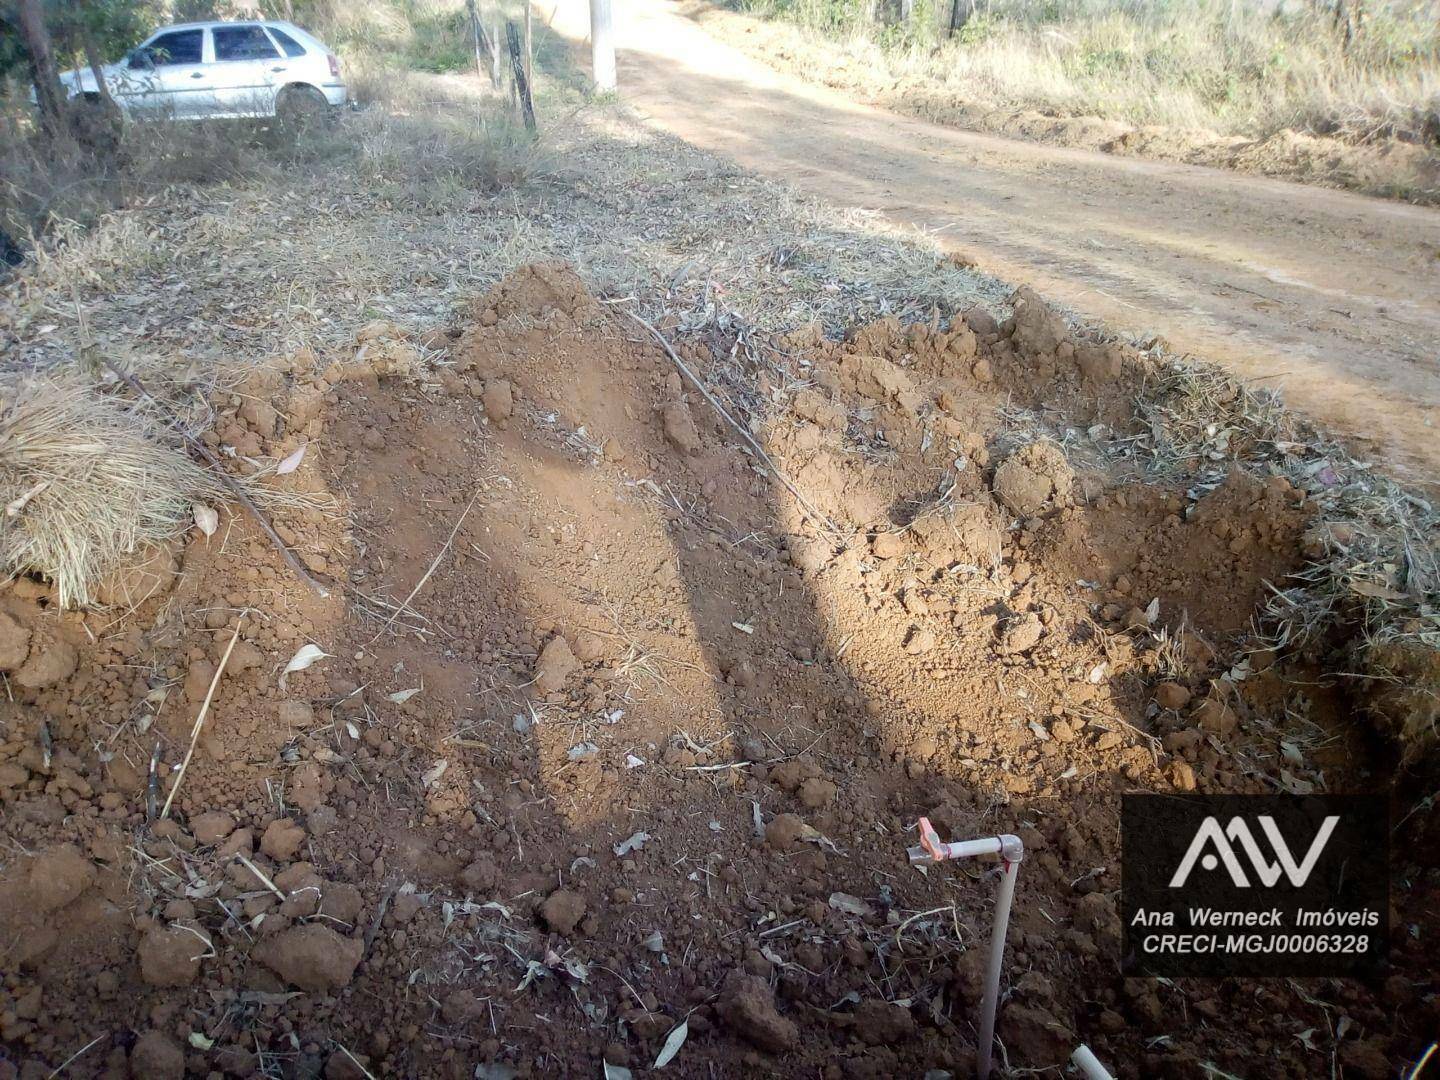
(932, 850)
(1085, 1060)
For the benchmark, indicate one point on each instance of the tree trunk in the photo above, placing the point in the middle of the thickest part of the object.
(97, 125)
(92, 57)
(960, 12)
(49, 94)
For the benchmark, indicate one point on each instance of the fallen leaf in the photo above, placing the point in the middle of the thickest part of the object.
(207, 520)
(633, 842)
(1376, 591)
(292, 461)
(812, 835)
(851, 905)
(433, 774)
(200, 1041)
(303, 658)
(582, 751)
(1294, 784)
(402, 696)
(533, 970)
(673, 1042)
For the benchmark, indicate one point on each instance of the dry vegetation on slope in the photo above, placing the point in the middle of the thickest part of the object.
(1263, 88)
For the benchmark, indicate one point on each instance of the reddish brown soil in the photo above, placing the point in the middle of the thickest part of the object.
(635, 648)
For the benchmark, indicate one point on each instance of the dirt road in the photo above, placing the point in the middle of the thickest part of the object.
(1333, 297)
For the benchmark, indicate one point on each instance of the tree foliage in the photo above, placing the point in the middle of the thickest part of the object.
(113, 26)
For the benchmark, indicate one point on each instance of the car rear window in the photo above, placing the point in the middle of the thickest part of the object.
(181, 47)
(242, 43)
(286, 42)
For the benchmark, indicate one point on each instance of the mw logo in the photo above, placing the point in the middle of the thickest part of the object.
(1223, 843)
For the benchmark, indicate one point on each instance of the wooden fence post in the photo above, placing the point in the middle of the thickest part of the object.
(529, 46)
(483, 46)
(522, 84)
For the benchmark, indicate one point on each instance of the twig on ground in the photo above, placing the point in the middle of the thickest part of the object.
(260, 875)
(200, 717)
(405, 604)
(823, 522)
(346, 1051)
(66, 1063)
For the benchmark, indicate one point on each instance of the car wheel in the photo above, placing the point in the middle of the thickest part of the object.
(301, 108)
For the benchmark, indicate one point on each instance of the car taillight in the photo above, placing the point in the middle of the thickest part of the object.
(334, 64)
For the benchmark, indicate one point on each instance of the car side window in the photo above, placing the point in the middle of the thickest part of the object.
(180, 47)
(242, 43)
(286, 42)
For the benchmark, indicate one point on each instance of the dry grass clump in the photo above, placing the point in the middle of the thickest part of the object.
(428, 160)
(45, 183)
(1371, 587)
(1199, 415)
(86, 479)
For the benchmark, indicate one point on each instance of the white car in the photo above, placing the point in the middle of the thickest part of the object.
(220, 70)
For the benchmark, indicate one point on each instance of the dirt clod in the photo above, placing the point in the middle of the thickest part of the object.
(157, 1055)
(58, 877)
(170, 956)
(499, 400)
(47, 664)
(211, 827)
(1171, 695)
(1031, 478)
(556, 665)
(679, 427)
(747, 1005)
(14, 643)
(312, 957)
(882, 1023)
(784, 832)
(562, 911)
(282, 839)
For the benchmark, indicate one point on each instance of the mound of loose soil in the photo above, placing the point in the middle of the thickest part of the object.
(645, 745)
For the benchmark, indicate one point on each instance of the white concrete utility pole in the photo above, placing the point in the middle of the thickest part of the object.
(602, 45)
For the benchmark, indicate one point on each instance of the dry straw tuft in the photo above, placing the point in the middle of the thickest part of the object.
(87, 479)
(1372, 582)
